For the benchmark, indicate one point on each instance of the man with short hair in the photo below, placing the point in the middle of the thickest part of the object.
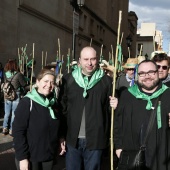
(163, 63)
(132, 116)
(84, 100)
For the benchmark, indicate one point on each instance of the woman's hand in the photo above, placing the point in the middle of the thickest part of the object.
(118, 152)
(62, 146)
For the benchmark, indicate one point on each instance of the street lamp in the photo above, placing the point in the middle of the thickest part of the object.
(129, 43)
(77, 4)
(80, 3)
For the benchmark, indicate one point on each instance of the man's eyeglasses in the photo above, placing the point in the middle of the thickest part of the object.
(163, 67)
(149, 73)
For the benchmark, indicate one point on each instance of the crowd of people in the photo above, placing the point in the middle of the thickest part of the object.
(78, 118)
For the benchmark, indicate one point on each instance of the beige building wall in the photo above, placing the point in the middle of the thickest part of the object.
(150, 38)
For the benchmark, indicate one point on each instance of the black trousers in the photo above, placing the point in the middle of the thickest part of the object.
(38, 165)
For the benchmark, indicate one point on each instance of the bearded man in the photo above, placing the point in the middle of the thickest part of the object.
(132, 117)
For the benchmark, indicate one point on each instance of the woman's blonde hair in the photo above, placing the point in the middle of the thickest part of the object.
(44, 72)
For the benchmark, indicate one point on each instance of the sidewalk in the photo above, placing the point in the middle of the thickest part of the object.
(5, 140)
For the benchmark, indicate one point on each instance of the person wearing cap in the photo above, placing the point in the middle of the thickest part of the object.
(163, 63)
(126, 80)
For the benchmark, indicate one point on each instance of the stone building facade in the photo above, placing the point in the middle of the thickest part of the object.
(45, 22)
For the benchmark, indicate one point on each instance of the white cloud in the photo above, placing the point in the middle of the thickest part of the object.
(154, 11)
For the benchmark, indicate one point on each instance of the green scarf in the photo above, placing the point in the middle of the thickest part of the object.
(134, 90)
(9, 74)
(33, 95)
(84, 82)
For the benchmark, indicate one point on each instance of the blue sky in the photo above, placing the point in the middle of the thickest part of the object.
(157, 11)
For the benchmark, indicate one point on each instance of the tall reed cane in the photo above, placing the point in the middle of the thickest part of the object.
(112, 54)
(45, 59)
(59, 53)
(141, 47)
(153, 42)
(32, 67)
(91, 42)
(113, 93)
(42, 60)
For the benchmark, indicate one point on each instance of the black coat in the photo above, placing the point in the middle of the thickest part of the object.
(97, 114)
(130, 124)
(35, 132)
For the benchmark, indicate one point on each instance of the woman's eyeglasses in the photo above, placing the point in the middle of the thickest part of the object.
(163, 67)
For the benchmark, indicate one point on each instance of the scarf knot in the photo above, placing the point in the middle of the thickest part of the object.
(33, 95)
(84, 81)
(134, 90)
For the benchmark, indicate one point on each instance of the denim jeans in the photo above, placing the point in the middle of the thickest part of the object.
(81, 156)
(10, 106)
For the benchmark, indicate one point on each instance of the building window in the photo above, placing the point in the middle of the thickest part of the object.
(91, 28)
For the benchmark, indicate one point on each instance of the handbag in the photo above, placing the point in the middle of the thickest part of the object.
(135, 159)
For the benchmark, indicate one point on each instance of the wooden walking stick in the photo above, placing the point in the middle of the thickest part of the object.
(91, 42)
(112, 54)
(141, 47)
(129, 52)
(45, 58)
(68, 61)
(114, 81)
(42, 60)
(153, 41)
(59, 53)
(19, 58)
(32, 67)
(121, 38)
(101, 54)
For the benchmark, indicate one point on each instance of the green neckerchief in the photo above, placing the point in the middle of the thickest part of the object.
(159, 122)
(33, 95)
(9, 74)
(139, 95)
(84, 82)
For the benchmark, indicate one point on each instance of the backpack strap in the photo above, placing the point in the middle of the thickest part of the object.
(11, 78)
(30, 105)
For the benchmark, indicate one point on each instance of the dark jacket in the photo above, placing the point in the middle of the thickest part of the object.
(97, 115)
(35, 132)
(130, 124)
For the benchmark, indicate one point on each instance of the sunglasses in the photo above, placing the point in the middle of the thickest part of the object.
(163, 67)
(130, 69)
